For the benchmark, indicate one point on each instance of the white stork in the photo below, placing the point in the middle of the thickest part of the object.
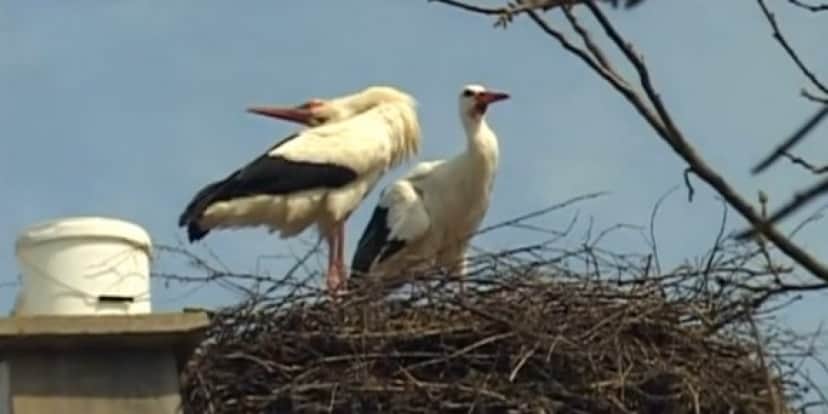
(427, 217)
(318, 175)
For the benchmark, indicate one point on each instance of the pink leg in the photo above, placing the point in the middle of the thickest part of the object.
(331, 275)
(340, 252)
(336, 267)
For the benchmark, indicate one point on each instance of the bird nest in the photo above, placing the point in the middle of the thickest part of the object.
(528, 335)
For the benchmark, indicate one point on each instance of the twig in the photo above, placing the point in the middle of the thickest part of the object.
(805, 164)
(540, 212)
(653, 214)
(809, 7)
(797, 136)
(813, 98)
(777, 34)
(690, 190)
(799, 200)
(472, 8)
(773, 394)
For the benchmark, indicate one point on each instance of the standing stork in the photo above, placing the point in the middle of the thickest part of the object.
(428, 216)
(318, 175)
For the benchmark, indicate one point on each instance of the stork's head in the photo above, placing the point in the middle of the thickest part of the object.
(317, 111)
(475, 99)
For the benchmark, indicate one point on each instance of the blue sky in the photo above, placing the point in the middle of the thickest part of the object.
(126, 108)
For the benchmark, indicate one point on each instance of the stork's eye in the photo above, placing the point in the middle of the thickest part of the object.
(467, 93)
(319, 120)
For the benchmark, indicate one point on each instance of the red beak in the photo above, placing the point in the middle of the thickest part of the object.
(488, 97)
(298, 115)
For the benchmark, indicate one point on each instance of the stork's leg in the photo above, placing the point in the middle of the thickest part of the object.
(460, 272)
(457, 269)
(331, 277)
(340, 252)
(336, 265)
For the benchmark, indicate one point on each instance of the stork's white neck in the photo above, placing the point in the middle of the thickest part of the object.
(482, 141)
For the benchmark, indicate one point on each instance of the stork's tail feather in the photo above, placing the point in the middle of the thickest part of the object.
(192, 213)
(195, 233)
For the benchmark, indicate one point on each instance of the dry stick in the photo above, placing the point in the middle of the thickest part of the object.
(540, 212)
(773, 395)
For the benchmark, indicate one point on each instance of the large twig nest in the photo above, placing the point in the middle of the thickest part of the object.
(516, 342)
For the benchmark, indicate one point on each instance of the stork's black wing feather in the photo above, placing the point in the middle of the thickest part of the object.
(374, 245)
(270, 175)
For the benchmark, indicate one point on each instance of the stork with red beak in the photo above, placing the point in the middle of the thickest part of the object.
(318, 175)
(427, 217)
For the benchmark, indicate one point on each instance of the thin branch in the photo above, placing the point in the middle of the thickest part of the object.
(799, 200)
(537, 213)
(797, 136)
(777, 34)
(810, 7)
(472, 8)
(676, 140)
(813, 98)
(608, 75)
(653, 215)
(805, 164)
(773, 395)
(690, 190)
(667, 130)
(591, 46)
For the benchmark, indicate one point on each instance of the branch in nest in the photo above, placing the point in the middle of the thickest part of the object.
(497, 349)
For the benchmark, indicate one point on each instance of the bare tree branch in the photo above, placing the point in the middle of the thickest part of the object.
(471, 7)
(663, 124)
(799, 200)
(690, 190)
(813, 98)
(777, 34)
(802, 198)
(805, 164)
(683, 148)
(809, 7)
(797, 136)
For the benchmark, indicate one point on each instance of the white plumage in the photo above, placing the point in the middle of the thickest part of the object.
(427, 217)
(319, 175)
